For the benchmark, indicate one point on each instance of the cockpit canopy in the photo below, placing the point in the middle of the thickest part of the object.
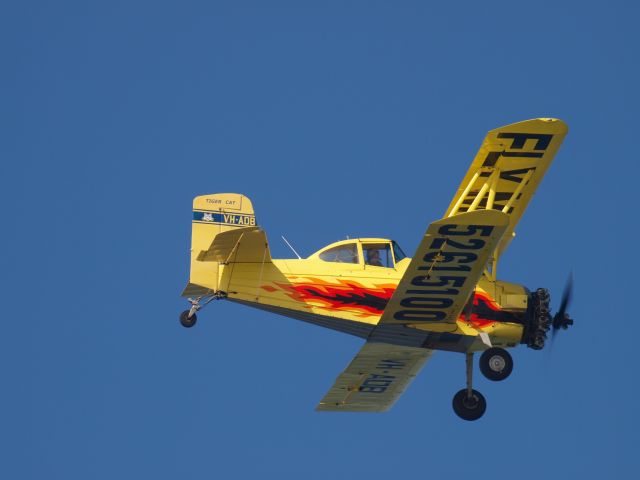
(375, 252)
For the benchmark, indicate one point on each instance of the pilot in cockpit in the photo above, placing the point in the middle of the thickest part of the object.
(373, 257)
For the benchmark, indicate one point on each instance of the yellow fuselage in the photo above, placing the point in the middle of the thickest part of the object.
(351, 297)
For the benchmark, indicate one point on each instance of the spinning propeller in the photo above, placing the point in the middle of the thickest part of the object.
(561, 320)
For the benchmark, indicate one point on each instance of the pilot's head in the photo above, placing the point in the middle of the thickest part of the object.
(373, 254)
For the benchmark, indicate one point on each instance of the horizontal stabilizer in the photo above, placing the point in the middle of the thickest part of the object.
(195, 290)
(240, 245)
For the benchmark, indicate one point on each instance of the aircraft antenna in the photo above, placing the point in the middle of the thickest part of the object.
(289, 245)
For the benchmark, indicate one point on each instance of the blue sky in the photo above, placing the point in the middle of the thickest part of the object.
(335, 118)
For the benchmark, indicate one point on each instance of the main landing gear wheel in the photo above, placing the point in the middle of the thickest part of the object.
(496, 364)
(186, 320)
(469, 407)
(469, 404)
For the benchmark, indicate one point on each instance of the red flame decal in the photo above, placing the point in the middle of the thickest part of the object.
(485, 311)
(344, 295)
(370, 301)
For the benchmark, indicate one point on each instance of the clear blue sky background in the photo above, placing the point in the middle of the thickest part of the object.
(335, 118)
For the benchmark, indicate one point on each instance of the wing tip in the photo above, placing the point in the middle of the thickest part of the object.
(556, 125)
(559, 124)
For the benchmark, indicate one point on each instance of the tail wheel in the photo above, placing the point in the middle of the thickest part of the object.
(186, 320)
(469, 407)
(496, 364)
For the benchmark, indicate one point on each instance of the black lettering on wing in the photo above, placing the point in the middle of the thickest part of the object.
(419, 315)
(519, 140)
(515, 176)
(420, 302)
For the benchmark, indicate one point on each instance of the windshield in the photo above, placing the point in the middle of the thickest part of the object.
(397, 251)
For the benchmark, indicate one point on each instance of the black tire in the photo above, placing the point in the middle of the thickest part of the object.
(186, 321)
(496, 364)
(469, 408)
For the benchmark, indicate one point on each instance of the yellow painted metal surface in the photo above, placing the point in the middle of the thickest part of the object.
(375, 378)
(212, 215)
(443, 298)
(508, 169)
(238, 245)
(230, 254)
(235, 260)
(350, 292)
(445, 270)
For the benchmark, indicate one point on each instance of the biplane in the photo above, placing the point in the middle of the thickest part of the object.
(446, 297)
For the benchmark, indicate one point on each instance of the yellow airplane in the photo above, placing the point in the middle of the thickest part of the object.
(447, 297)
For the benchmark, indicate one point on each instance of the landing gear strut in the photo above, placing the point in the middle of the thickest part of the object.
(469, 404)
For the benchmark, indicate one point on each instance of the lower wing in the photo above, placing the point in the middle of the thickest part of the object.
(375, 378)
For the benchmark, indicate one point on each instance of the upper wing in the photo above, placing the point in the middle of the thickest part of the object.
(245, 244)
(375, 378)
(507, 170)
(443, 272)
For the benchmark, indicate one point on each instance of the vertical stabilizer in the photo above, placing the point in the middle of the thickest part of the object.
(212, 215)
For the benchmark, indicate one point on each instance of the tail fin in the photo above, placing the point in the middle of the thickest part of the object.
(212, 215)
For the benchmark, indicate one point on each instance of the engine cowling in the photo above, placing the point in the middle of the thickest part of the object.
(538, 319)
